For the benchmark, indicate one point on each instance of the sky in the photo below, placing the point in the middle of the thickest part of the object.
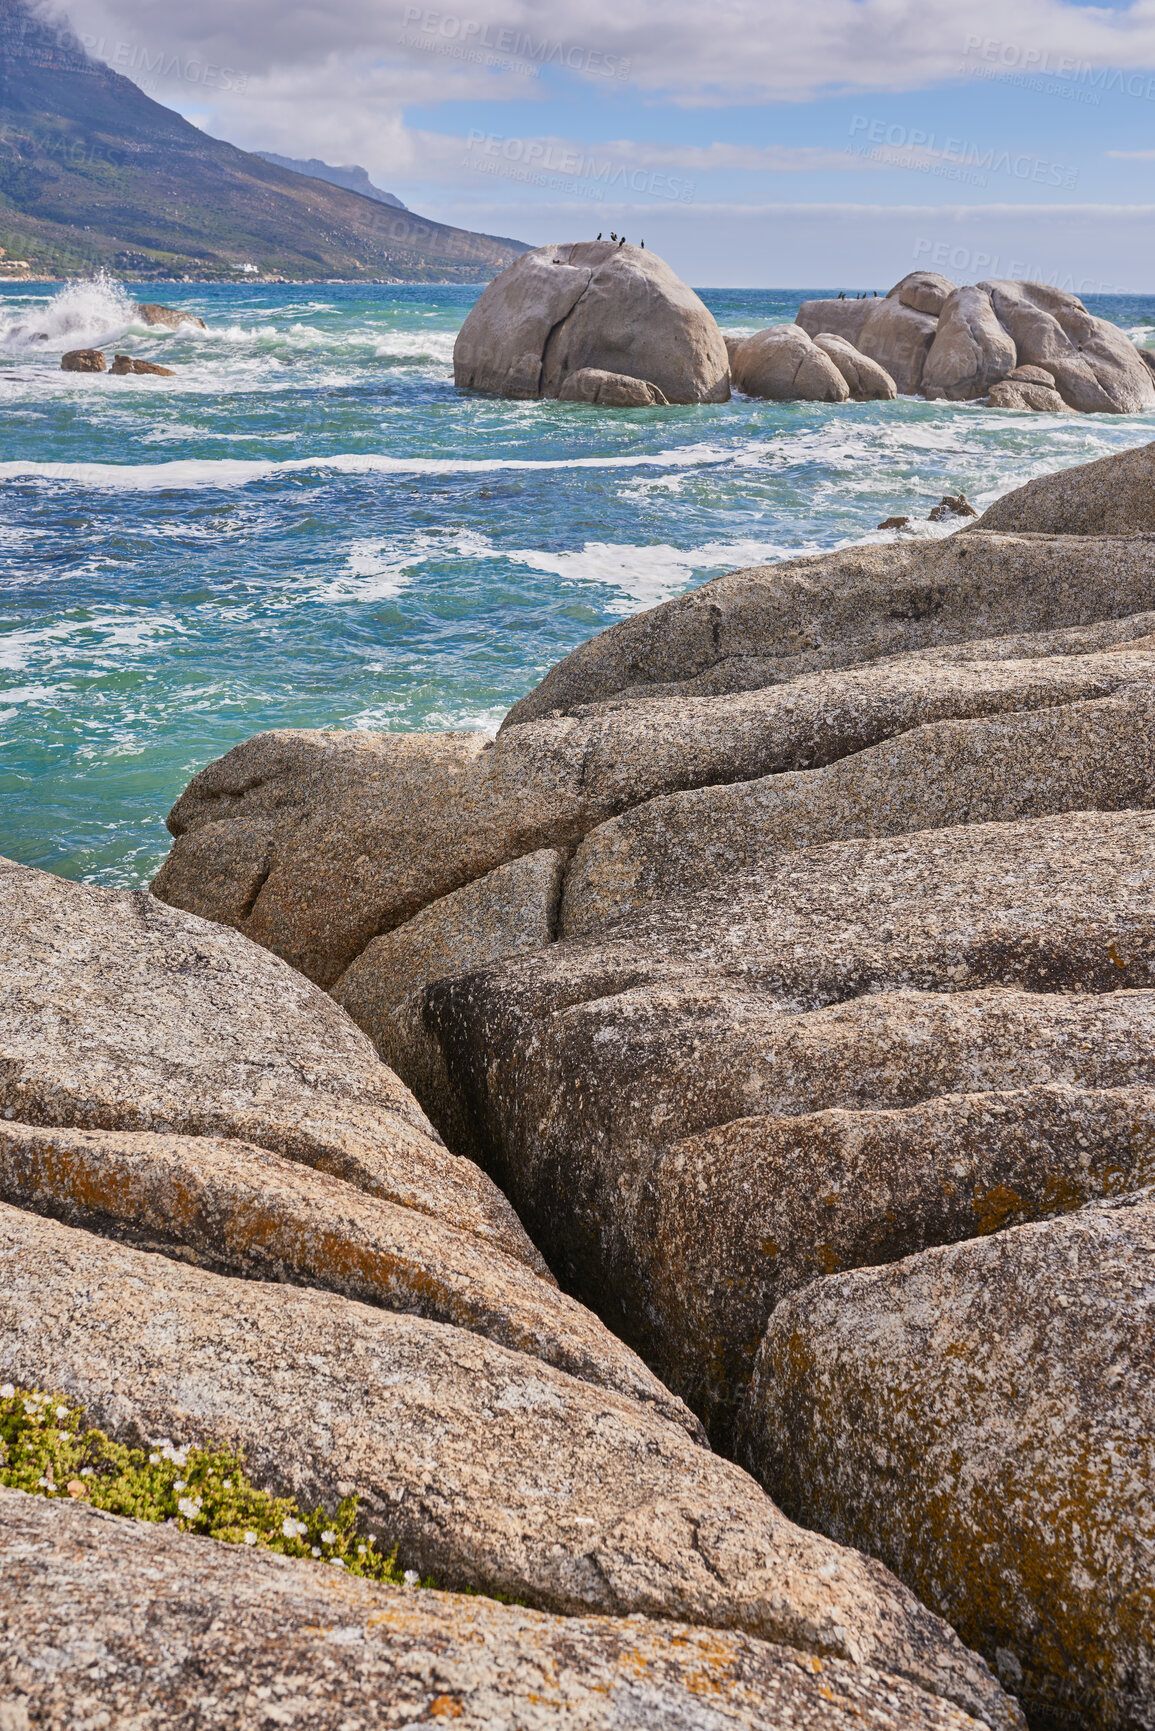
(788, 143)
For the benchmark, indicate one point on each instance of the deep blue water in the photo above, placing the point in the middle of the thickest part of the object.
(309, 527)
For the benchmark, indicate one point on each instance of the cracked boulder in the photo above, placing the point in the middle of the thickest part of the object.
(485, 1466)
(1112, 496)
(647, 1094)
(153, 1628)
(971, 350)
(119, 1013)
(561, 310)
(772, 623)
(1096, 367)
(511, 909)
(981, 1417)
(1045, 756)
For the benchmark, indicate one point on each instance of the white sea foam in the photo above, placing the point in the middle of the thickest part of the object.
(84, 315)
(200, 472)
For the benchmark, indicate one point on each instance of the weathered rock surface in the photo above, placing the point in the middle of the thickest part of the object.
(84, 361)
(1046, 756)
(981, 1417)
(782, 364)
(772, 623)
(1112, 496)
(235, 1209)
(971, 350)
(126, 364)
(898, 337)
(513, 908)
(1096, 367)
(731, 1220)
(1040, 399)
(120, 1013)
(865, 379)
(856, 976)
(170, 318)
(592, 304)
(1031, 376)
(313, 843)
(486, 1466)
(611, 390)
(158, 1629)
(839, 318)
(924, 291)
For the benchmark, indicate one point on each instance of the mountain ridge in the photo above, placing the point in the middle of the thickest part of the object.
(94, 174)
(353, 178)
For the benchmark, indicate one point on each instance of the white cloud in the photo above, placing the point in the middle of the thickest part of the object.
(720, 50)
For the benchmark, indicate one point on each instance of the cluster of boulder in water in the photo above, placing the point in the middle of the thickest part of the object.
(151, 313)
(613, 324)
(687, 1164)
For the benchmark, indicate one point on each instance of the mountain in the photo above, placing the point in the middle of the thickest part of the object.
(352, 179)
(95, 174)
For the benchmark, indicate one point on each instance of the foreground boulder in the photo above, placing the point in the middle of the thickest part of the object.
(561, 310)
(856, 977)
(1039, 399)
(1112, 496)
(782, 364)
(235, 1209)
(773, 623)
(117, 1012)
(981, 1418)
(193, 1631)
(488, 1467)
(1045, 757)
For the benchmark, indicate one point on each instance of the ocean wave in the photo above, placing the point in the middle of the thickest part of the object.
(224, 472)
(85, 315)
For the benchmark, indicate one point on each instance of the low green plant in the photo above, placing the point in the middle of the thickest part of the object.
(46, 1448)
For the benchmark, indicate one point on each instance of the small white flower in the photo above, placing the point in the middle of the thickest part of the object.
(293, 1529)
(190, 1507)
(336, 1562)
(42, 1483)
(362, 1550)
(250, 1537)
(87, 1472)
(7, 1391)
(315, 1551)
(179, 1484)
(411, 1577)
(153, 1459)
(62, 1412)
(328, 1538)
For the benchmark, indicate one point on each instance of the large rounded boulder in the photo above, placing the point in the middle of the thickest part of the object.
(592, 304)
(782, 364)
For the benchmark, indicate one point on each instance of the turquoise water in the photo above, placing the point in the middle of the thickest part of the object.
(308, 527)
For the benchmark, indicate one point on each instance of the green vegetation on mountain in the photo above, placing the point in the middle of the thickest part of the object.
(96, 175)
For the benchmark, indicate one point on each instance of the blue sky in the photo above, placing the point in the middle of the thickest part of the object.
(794, 143)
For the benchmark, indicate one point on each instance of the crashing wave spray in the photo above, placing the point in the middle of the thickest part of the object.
(84, 315)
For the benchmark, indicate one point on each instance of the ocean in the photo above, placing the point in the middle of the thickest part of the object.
(309, 527)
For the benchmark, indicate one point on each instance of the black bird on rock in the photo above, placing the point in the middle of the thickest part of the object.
(622, 242)
(613, 236)
(599, 237)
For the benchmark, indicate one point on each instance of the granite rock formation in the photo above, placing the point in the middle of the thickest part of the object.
(561, 310)
(192, 1632)
(782, 364)
(982, 1417)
